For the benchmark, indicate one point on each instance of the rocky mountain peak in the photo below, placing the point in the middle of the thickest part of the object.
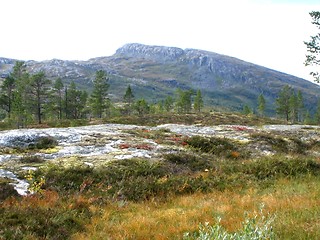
(150, 52)
(6, 61)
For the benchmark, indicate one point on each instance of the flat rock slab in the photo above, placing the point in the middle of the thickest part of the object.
(97, 144)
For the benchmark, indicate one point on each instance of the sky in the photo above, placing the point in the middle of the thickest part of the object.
(265, 32)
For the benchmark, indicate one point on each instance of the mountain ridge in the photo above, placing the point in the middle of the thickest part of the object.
(156, 71)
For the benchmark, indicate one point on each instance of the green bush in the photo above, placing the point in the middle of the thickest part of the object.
(6, 190)
(258, 228)
(280, 166)
(65, 179)
(140, 179)
(40, 223)
(68, 123)
(216, 146)
(193, 162)
(31, 159)
(290, 145)
(44, 143)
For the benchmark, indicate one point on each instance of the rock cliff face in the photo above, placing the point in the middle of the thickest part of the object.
(156, 53)
(156, 71)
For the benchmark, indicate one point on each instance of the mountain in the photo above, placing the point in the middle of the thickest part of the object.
(155, 72)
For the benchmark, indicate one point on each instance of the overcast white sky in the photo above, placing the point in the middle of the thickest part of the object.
(265, 32)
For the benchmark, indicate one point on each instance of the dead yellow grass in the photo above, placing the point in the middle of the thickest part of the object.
(169, 220)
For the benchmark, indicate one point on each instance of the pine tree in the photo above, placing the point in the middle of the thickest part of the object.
(99, 96)
(246, 110)
(21, 106)
(184, 102)
(293, 105)
(307, 118)
(168, 103)
(75, 101)
(313, 47)
(58, 95)
(261, 105)
(128, 99)
(39, 91)
(198, 102)
(300, 106)
(160, 107)
(142, 107)
(6, 97)
(283, 102)
(317, 115)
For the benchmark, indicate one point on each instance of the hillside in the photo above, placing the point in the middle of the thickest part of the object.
(155, 71)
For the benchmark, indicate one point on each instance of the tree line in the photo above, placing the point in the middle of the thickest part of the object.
(32, 98)
(289, 105)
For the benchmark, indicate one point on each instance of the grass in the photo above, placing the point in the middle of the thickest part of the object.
(143, 199)
(205, 118)
(293, 212)
(211, 187)
(45, 216)
(140, 179)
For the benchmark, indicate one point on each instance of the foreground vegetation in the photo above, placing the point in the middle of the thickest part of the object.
(212, 188)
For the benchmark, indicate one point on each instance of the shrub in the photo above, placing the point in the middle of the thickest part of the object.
(217, 146)
(280, 166)
(44, 143)
(257, 227)
(278, 144)
(31, 159)
(193, 162)
(37, 222)
(6, 190)
(140, 179)
(290, 145)
(65, 179)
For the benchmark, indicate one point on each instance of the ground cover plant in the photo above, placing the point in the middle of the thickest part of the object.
(205, 188)
(139, 198)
